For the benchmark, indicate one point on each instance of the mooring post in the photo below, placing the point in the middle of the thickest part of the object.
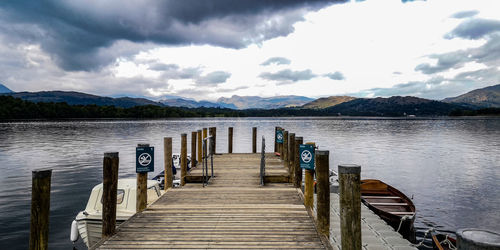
(142, 188)
(350, 206)
(309, 185)
(254, 140)
(477, 239)
(204, 133)
(40, 209)
(323, 191)
(109, 188)
(213, 133)
(275, 142)
(297, 175)
(280, 145)
(291, 156)
(285, 148)
(198, 136)
(167, 163)
(183, 159)
(193, 149)
(230, 140)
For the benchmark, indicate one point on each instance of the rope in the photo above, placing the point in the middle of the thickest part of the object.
(447, 241)
(421, 243)
(401, 221)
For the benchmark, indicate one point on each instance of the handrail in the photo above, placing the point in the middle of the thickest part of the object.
(263, 162)
(206, 153)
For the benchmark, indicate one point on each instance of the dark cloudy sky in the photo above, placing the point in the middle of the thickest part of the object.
(208, 49)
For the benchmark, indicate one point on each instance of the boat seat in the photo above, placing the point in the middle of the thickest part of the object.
(380, 197)
(388, 204)
(402, 213)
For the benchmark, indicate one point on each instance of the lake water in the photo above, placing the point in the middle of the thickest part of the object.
(451, 167)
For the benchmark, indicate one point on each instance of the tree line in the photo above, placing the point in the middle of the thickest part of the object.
(16, 108)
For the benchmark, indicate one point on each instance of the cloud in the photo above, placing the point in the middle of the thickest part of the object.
(465, 14)
(335, 76)
(474, 29)
(213, 78)
(488, 54)
(438, 88)
(445, 62)
(83, 35)
(276, 60)
(227, 90)
(173, 71)
(288, 75)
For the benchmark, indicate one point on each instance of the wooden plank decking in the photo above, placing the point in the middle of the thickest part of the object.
(233, 211)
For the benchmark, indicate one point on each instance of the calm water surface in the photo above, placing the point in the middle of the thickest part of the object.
(451, 167)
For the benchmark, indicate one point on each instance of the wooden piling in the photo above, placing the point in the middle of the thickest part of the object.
(254, 140)
(323, 191)
(280, 145)
(297, 176)
(198, 136)
(213, 142)
(291, 155)
(230, 140)
(183, 159)
(350, 206)
(275, 143)
(477, 239)
(109, 188)
(167, 162)
(309, 185)
(40, 208)
(285, 148)
(204, 133)
(142, 188)
(193, 149)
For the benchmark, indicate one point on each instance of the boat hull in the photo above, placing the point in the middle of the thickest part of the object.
(395, 208)
(91, 230)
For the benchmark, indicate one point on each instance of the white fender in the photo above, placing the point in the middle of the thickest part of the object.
(74, 231)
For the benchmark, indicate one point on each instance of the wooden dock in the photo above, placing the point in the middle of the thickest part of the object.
(233, 211)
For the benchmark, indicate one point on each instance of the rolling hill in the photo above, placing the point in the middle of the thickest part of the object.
(181, 102)
(326, 102)
(77, 98)
(393, 106)
(4, 89)
(488, 97)
(257, 102)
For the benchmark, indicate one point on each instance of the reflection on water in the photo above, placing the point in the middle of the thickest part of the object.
(450, 166)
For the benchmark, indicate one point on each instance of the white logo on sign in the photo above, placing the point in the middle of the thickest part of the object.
(280, 137)
(306, 156)
(144, 159)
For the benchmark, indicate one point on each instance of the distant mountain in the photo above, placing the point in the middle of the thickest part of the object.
(488, 97)
(77, 98)
(393, 106)
(256, 102)
(4, 89)
(189, 103)
(326, 102)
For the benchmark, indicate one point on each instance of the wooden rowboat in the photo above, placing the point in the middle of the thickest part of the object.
(443, 242)
(391, 205)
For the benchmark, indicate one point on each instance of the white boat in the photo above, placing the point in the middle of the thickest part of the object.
(89, 222)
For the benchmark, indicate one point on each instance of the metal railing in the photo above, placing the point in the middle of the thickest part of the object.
(205, 155)
(263, 162)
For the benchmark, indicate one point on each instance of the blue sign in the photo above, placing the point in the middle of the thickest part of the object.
(306, 156)
(279, 136)
(145, 159)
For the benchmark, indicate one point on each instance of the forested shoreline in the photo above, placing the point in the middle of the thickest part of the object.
(15, 108)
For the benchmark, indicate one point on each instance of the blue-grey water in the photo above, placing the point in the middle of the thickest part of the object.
(451, 167)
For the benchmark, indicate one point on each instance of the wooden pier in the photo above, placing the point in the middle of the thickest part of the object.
(233, 211)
